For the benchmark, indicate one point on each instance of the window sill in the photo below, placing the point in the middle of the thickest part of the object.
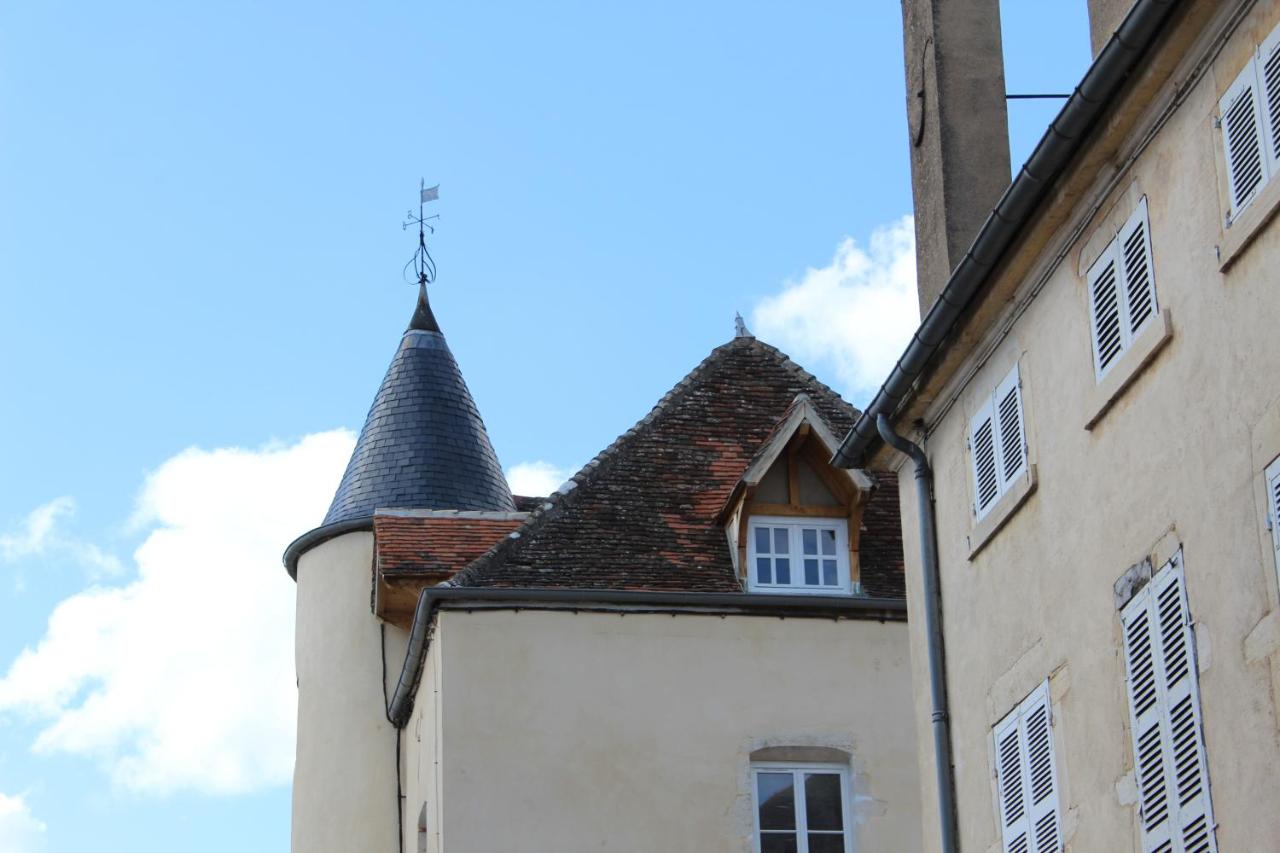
(1141, 352)
(1240, 234)
(1004, 509)
(810, 590)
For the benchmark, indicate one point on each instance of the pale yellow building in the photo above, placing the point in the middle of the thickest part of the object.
(698, 643)
(1094, 389)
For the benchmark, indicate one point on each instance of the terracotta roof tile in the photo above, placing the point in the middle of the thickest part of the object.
(437, 543)
(642, 514)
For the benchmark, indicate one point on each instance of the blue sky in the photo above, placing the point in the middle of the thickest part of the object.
(200, 288)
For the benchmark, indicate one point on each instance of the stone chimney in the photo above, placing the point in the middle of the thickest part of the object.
(1104, 19)
(959, 128)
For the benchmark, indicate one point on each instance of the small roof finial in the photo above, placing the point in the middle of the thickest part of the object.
(424, 266)
(740, 329)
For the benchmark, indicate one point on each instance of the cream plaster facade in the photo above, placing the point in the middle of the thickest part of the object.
(344, 775)
(561, 731)
(1174, 459)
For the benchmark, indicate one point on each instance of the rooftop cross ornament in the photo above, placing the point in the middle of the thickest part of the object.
(423, 265)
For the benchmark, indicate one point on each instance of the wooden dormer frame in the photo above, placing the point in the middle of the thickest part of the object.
(803, 436)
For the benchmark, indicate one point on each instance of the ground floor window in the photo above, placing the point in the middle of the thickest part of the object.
(801, 808)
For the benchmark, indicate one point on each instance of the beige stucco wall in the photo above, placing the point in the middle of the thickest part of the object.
(1177, 461)
(344, 774)
(562, 731)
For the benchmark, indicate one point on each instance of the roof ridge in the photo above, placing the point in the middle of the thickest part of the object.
(591, 469)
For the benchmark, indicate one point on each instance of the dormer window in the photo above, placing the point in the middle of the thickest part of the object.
(793, 522)
(798, 555)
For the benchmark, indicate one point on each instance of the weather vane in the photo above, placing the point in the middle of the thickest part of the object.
(421, 262)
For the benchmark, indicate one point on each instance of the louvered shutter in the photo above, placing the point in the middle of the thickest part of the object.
(1009, 430)
(1139, 275)
(1011, 785)
(1104, 310)
(1269, 83)
(1164, 706)
(1241, 118)
(982, 446)
(1026, 777)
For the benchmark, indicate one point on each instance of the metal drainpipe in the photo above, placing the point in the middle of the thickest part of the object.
(933, 632)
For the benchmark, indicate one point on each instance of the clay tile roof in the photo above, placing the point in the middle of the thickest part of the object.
(423, 444)
(642, 514)
(437, 542)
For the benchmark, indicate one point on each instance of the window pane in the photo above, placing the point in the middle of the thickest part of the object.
(783, 565)
(764, 573)
(780, 541)
(762, 540)
(826, 843)
(829, 574)
(829, 542)
(811, 571)
(777, 797)
(779, 842)
(810, 540)
(822, 801)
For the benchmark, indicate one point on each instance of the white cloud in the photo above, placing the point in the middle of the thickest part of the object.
(40, 535)
(36, 532)
(854, 315)
(536, 479)
(20, 832)
(183, 678)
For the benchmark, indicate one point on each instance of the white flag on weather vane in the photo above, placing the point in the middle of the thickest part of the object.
(431, 193)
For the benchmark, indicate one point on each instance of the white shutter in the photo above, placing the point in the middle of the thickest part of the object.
(1011, 785)
(1164, 705)
(1273, 505)
(982, 445)
(1139, 275)
(1104, 310)
(1269, 80)
(1241, 118)
(1026, 777)
(1009, 429)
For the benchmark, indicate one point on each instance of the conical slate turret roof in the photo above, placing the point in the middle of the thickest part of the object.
(423, 445)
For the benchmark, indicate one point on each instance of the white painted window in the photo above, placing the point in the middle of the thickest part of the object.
(1174, 808)
(798, 555)
(801, 808)
(1272, 478)
(1027, 778)
(1249, 115)
(1122, 291)
(997, 444)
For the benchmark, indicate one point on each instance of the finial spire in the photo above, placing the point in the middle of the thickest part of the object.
(740, 329)
(424, 266)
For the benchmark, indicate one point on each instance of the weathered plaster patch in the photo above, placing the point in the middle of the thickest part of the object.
(1127, 790)
(1263, 640)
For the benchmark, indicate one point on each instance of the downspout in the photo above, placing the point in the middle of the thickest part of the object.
(933, 632)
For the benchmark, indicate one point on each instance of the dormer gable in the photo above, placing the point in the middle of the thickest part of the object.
(793, 521)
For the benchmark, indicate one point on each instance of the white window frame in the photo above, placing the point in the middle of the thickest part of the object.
(1271, 477)
(1117, 258)
(1038, 824)
(1175, 809)
(794, 524)
(1010, 452)
(1267, 135)
(798, 771)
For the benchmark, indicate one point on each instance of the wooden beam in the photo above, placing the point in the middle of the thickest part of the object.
(801, 510)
